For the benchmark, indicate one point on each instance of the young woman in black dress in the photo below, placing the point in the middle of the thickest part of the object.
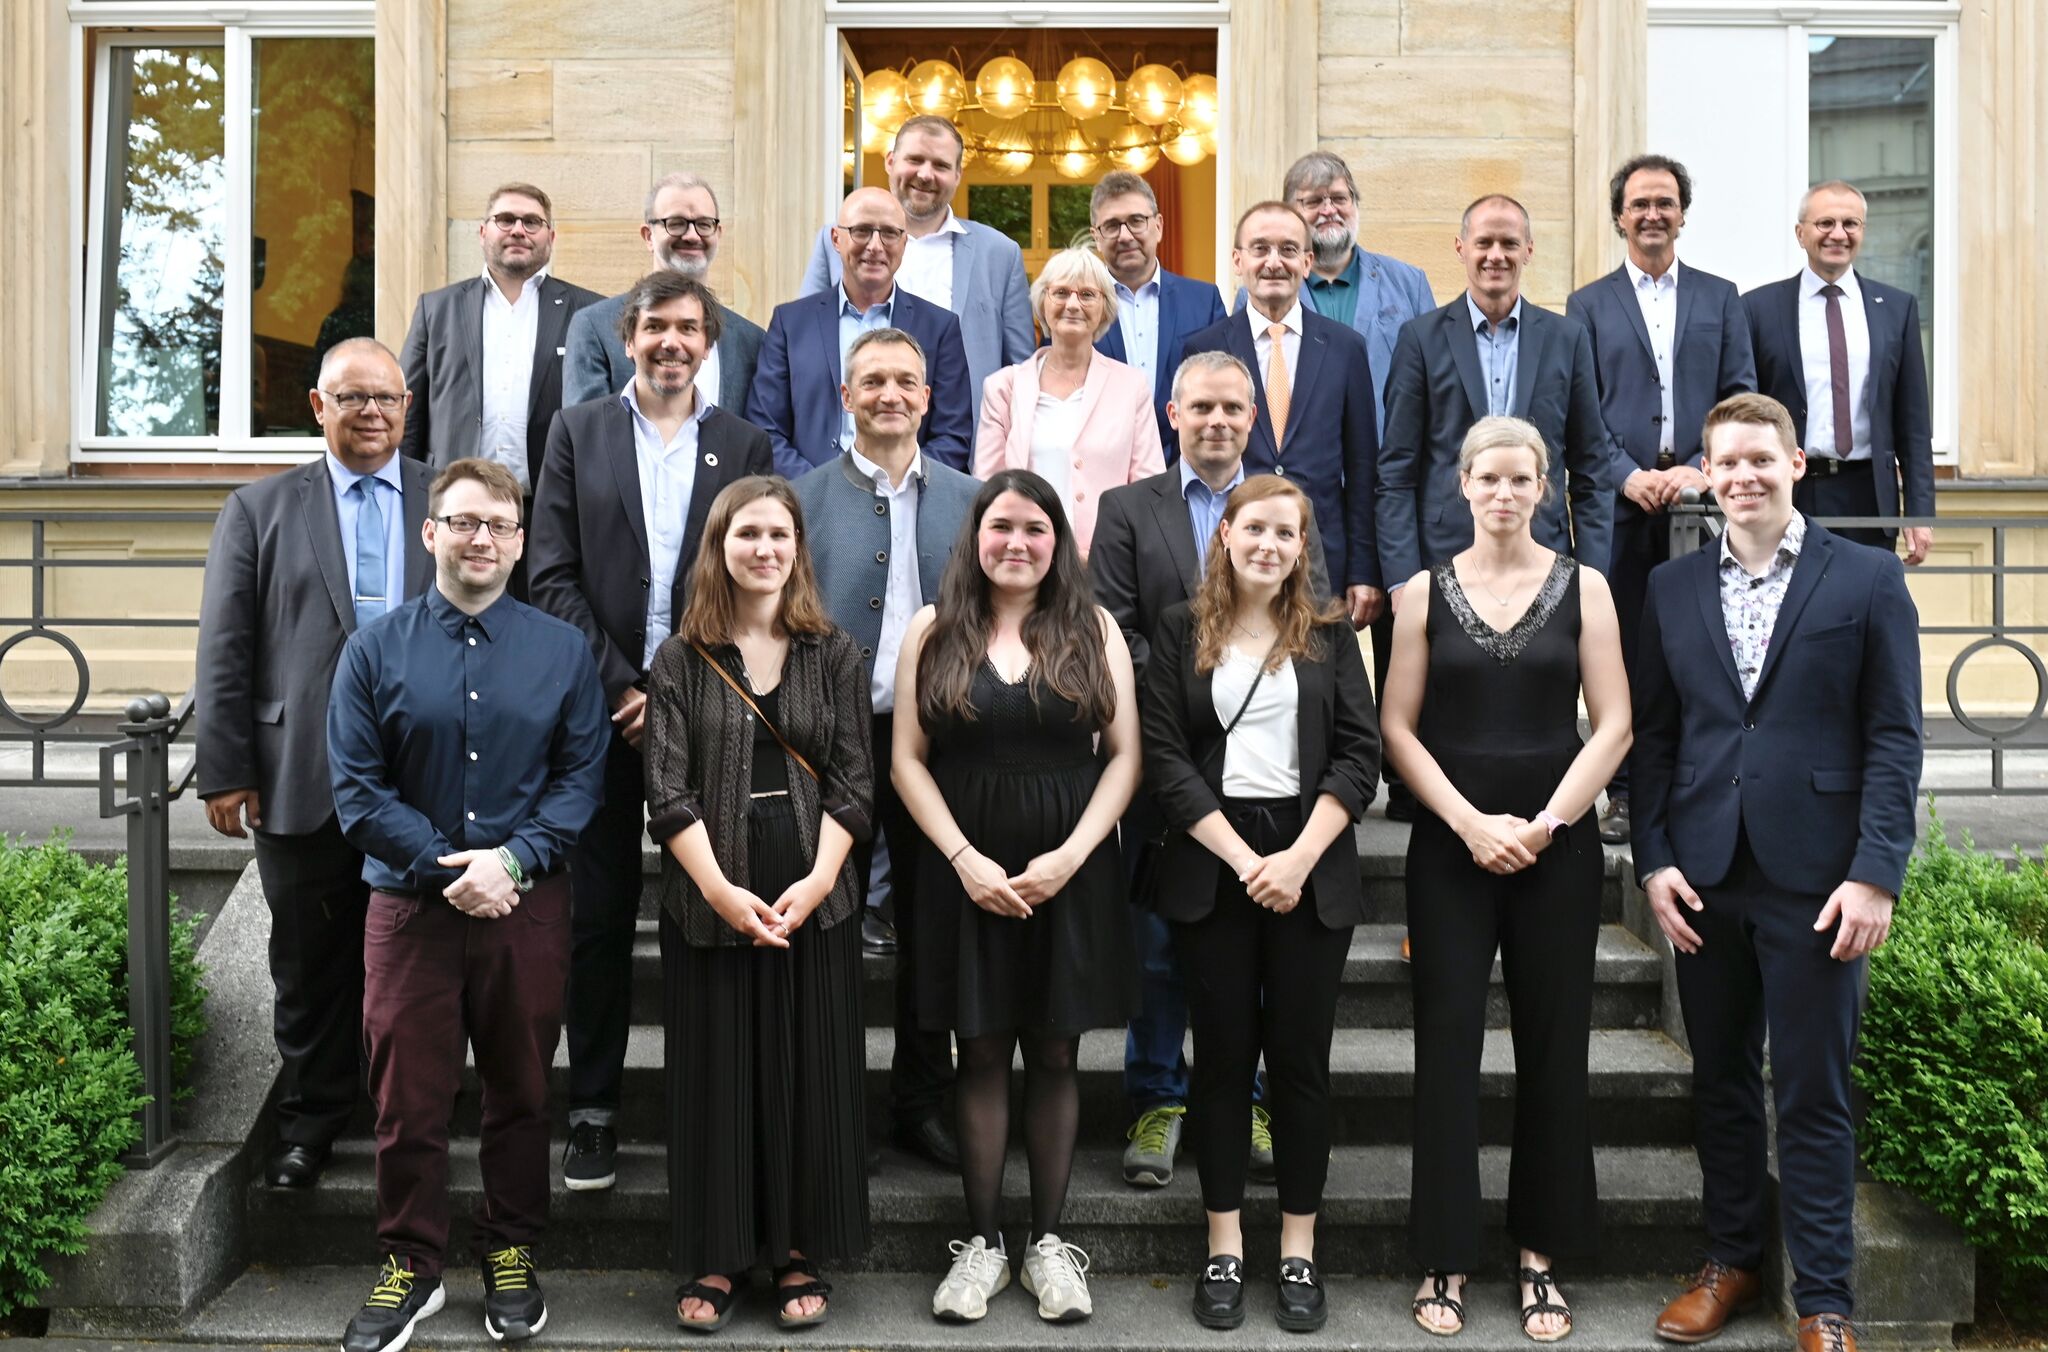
(1014, 676)
(759, 781)
(1491, 653)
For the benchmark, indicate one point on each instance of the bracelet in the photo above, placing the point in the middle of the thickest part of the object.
(512, 869)
(957, 853)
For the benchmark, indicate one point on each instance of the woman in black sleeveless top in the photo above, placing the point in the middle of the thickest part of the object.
(1491, 652)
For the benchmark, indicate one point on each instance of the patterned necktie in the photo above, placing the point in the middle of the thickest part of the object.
(370, 599)
(1838, 372)
(1278, 395)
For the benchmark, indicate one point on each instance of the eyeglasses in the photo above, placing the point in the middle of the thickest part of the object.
(533, 225)
(1259, 248)
(352, 401)
(1827, 225)
(891, 234)
(1135, 224)
(679, 226)
(1060, 295)
(500, 528)
(1314, 202)
(1521, 485)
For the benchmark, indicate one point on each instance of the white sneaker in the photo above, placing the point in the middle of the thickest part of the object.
(1052, 1272)
(978, 1273)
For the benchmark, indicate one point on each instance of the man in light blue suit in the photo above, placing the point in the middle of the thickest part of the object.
(958, 265)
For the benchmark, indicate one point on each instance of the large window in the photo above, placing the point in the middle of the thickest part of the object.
(229, 236)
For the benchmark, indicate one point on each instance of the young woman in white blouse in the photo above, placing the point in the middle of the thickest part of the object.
(1262, 749)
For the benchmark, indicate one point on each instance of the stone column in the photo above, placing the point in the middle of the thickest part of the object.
(1610, 118)
(412, 159)
(35, 235)
(1271, 120)
(779, 148)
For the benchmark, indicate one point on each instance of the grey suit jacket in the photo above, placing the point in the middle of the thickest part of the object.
(443, 362)
(596, 362)
(990, 296)
(277, 605)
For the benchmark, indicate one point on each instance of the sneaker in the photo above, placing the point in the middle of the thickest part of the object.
(1260, 1165)
(978, 1273)
(1154, 1141)
(401, 1299)
(591, 1159)
(1052, 1272)
(513, 1307)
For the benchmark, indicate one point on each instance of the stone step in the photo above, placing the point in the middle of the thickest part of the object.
(1650, 1209)
(1627, 982)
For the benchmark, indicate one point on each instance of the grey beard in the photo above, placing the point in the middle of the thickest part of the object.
(1328, 251)
(693, 267)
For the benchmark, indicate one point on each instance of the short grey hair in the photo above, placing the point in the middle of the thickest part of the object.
(875, 338)
(1120, 183)
(1832, 185)
(681, 178)
(1216, 359)
(1071, 265)
(1317, 169)
(1465, 221)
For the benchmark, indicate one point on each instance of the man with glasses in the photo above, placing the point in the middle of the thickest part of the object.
(796, 387)
(1156, 310)
(298, 562)
(681, 229)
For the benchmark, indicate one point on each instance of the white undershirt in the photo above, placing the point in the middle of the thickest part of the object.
(1055, 426)
(927, 268)
(1262, 757)
(510, 330)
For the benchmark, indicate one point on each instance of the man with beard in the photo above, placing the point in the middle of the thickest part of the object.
(682, 231)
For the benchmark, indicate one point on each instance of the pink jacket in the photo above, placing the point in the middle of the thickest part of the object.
(1118, 442)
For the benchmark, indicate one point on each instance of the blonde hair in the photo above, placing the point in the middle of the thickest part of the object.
(1072, 265)
(1500, 433)
(1295, 612)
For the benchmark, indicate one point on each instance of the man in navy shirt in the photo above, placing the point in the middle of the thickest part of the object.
(466, 739)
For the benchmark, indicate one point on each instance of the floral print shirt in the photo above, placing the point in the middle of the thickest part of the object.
(1750, 602)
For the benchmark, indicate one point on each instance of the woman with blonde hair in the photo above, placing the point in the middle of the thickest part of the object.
(1261, 750)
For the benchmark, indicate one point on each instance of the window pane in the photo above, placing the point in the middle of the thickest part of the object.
(1871, 122)
(1005, 207)
(1066, 209)
(165, 223)
(313, 213)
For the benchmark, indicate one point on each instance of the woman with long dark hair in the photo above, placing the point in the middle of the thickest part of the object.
(1261, 751)
(1013, 677)
(759, 781)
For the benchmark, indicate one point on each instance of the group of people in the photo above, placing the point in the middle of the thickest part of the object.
(576, 568)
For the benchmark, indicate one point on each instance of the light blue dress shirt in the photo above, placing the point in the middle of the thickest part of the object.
(391, 498)
(1205, 506)
(1137, 315)
(852, 324)
(1499, 351)
(668, 475)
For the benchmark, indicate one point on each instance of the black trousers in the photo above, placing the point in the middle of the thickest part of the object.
(1258, 981)
(605, 882)
(313, 885)
(1641, 542)
(1852, 492)
(1545, 923)
(1382, 630)
(922, 1069)
(1761, 967)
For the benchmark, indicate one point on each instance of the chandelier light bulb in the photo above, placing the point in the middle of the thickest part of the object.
(936, 88)
(1135, 148)
(1201, 103)
(1153, 95)
(885, 101)
(1004, 87)
(1180, 145)
(1085, 88)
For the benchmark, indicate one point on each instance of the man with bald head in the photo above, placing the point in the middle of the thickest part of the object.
(343, 529)
(796, 385)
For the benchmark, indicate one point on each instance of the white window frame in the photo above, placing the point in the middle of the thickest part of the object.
(157, 24)
(1936, 19)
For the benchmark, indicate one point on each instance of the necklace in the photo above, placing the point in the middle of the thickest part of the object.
(1498, 599)
(1253, 634)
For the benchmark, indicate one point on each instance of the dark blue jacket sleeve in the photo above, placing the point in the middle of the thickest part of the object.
(771, 405)
(1361, 472)
(1892, 750)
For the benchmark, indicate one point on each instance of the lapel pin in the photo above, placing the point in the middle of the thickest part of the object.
(711, 459)
(1879, 300)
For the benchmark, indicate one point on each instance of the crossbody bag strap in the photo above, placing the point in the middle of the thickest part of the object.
(1231, 726)
(766, 721)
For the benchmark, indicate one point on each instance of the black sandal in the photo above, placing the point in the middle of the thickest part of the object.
(1444, 1298)
(1541, 1279)
(797, 1291)
(719, 1301)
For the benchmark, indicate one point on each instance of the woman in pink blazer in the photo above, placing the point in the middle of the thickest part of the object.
(1082, 421)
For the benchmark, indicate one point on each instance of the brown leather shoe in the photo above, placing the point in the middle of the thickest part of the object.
(1826, 1333)
(1717, 1294)
(1407, 950)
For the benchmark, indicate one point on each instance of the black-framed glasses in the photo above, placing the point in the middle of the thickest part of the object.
(500, 528)
(352, 401)
(680, 226)
(1134, 223)
(506, 220)
(891, 234)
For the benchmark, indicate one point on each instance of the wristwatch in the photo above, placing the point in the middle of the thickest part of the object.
(1551, 822)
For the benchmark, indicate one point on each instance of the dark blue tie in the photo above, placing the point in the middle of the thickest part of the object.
(370, 599)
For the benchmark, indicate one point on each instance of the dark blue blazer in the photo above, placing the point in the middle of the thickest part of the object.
(1901, 428)
(1710, 361)
(795, 398)
(1820, 767)
(1332, 447)
(1436, 392)
(1186, 306)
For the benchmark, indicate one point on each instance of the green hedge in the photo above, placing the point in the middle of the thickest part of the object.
(1955, 1050)
(69, 1083)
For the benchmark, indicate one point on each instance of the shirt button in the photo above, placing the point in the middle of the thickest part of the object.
(470, 815)
(472, 643)
(472, 694)
(472, 755)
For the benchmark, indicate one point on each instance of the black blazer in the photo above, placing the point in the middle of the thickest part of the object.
(1820, 767)
(1340, 755)
(588, 545)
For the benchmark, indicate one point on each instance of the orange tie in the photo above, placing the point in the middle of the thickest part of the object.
(1277, 392)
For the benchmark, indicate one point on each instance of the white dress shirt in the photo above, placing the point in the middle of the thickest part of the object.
(927, 270)
(1137, 314)
(510, 330)
(1055, 426)
(902, 594)
(1657, 297)
(668, 475)
(1813, 356)
(707, 378)
(1262, 756)
(1262, 344)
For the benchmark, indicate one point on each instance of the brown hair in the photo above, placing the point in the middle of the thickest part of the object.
(1295, 610)
(1260, 208)
(930, 122)
(1760, 409)
(709, 611)
(498, 481)
(659, 288)
(524, 190)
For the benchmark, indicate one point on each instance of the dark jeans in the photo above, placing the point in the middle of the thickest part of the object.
(1852, 492)
(605, 874)
(433, 974)
(313, 885)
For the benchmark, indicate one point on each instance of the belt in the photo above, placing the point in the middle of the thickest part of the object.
(1828, 467)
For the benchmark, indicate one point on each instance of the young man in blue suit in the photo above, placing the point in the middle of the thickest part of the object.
(1666, 348)
(1777, 752)
(1842, 353)
(1156, 310)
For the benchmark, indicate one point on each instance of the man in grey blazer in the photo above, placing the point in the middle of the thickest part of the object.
(881, 518)
(682, 231)
(964, 266)
(298, 561)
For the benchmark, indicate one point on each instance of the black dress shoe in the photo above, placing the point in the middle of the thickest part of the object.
(292, 1165)
(876, 934)
(1614, 822)
(1401, 804)
(1219, 1293)
(930, 1139)
(1301, 1308)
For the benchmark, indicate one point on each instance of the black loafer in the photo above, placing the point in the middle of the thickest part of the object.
(930, 1139)
(1301, 1308)
(1614, 824)
(876, 934)
(1219, 1293)
(292, 1165)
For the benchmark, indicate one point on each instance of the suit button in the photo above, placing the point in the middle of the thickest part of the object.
(643, 581)
(874, 603)
(1280, 470)
(1736, 781)
(1749, 725)
(866, 651)
(881, 556)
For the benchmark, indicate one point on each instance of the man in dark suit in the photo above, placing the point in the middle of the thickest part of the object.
(298, 561)
(1665, 350)
(616, 521)
(796, 386)
(1490, 352)
(681, 230)
(1156, 310)
(1842, 353)
(1777, 752)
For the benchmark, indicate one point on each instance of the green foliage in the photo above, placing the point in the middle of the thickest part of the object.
(69, 1083)
(1955, 1049)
